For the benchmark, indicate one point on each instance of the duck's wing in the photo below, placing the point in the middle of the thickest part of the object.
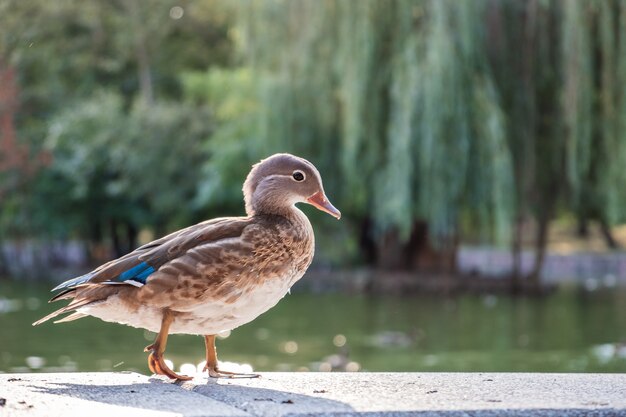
(136, 268)
(218, 270)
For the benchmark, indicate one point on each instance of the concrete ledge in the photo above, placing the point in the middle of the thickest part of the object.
(314, 394)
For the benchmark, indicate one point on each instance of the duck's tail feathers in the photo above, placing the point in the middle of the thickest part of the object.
(49, 316)
(74, 316)
(74, 305)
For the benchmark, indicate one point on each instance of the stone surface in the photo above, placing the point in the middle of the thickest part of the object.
(102, 394)
(301, 394)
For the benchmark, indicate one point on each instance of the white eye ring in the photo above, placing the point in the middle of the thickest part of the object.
(298, 175)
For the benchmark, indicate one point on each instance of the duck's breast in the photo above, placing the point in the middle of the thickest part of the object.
(218, 315)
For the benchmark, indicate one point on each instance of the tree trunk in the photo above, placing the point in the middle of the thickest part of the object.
(367, 242)
(131, 237)
(417, 253)
(390, 255)
(608, 235)
(4, 270)
(534, 279)
(582, 229)
(123, 237)
(516, 249)
(116, 241)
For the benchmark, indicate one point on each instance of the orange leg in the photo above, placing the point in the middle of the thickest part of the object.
(155, 359)
(211, 362)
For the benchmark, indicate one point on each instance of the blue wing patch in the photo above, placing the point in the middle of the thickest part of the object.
(137, 273)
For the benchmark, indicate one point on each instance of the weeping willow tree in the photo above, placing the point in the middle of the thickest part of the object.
(525, 55)
(440, 120)
(397, 100)
(558, 68)
(595, 110)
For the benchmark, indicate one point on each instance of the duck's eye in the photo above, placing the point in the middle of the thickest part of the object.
(298, 175)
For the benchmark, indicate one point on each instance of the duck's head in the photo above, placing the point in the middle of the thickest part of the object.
(278, 182)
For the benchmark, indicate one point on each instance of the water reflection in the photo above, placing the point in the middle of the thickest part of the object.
(570, 331)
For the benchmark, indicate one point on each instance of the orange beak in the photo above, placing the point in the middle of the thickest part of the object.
(319, 201)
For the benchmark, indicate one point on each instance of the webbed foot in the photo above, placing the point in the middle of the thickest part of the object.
(214, 372)
(158, 366)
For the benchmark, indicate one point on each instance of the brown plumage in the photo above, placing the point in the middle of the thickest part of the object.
(213, 276)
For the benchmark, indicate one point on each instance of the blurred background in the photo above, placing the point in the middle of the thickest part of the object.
(476, 150)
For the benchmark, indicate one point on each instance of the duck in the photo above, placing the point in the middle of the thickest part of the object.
(213, 276)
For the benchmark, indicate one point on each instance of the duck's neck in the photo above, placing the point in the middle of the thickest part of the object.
(268, 206)
(266, 200)
(288, 211)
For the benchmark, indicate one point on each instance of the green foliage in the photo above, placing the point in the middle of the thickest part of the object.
(99, 87)
(138, 167)
(234, 144)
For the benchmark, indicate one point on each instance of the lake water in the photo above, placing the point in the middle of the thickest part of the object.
(569, 331)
